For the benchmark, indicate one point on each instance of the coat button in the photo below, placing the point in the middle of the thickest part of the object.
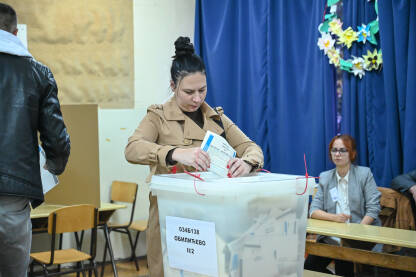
(187, 141)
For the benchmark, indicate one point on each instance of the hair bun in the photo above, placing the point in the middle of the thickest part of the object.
(183, 47)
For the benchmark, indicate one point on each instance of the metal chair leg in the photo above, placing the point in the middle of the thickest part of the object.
(61, 236)
(104, 256)
(133, 249)
(95, 270)
(83, 269)
(110, 250)
(136, 240)
(45, 270)
(90, 268)
(78, 243)
(31, 266)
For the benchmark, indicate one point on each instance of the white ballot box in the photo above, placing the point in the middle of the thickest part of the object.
(234, 227)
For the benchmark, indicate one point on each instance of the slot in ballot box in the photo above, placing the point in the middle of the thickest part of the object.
(232, 226)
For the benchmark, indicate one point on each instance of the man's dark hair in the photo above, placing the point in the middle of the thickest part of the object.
(8, 18)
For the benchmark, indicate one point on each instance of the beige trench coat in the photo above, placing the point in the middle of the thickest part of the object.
(166, 127)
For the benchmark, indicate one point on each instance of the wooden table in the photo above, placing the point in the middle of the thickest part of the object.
(39, 217)
(368, 233)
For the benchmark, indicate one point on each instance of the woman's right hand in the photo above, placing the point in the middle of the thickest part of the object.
(195, 157)
(320, 214)
(341, 218)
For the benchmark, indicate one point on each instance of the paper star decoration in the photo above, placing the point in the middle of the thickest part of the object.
(335, 26)
(358, 67)
(373, 60)
(333, 55)
(363, 33)
(347, 37)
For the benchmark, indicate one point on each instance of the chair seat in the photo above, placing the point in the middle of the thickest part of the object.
(117, 225)
(139, 225)
(61, 256)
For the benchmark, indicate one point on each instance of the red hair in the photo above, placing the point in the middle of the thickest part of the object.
(349, 143)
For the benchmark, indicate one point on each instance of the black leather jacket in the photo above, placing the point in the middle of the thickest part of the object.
(28, 104)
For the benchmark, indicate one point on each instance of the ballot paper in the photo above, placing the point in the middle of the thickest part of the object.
(219, 151)
(49, 180)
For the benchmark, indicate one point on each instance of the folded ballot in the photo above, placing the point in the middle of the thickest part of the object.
(219, 151)
(49, 180)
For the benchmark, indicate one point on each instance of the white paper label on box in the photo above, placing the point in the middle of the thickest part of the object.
(191, 245)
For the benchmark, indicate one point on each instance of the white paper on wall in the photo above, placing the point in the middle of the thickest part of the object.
(22, 33)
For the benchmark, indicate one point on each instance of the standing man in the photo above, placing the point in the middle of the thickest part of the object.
(28, 105)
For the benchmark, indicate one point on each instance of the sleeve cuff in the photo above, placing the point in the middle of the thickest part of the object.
(372, 215)
(311, 212)
(162, 154)
(169, 160)
(254, 166)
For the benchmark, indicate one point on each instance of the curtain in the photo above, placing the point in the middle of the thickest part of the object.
(379, 109)
(265, 69)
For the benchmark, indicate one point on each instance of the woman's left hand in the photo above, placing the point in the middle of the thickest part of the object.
(367, 220)
(237, 167)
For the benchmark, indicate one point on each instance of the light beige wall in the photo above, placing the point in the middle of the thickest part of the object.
(157, 23)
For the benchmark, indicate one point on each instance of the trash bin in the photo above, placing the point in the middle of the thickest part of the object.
(234, 227)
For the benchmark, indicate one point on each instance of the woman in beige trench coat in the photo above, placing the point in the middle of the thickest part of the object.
(171, 134)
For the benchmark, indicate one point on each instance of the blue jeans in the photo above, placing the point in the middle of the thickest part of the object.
(15, 236)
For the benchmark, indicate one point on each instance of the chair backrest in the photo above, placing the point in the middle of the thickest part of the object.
(123, 191)
(72, 219)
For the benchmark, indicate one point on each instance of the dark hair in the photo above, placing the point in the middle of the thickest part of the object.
(185, 61)
(349, 143)
(8, 18)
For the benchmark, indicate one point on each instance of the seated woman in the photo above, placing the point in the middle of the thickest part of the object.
(171, 134)
(347, 193)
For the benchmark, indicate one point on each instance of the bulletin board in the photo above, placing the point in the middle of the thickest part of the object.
(88, 45)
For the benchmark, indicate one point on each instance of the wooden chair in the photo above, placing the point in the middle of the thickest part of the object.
(69, 219)
(124, 192)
